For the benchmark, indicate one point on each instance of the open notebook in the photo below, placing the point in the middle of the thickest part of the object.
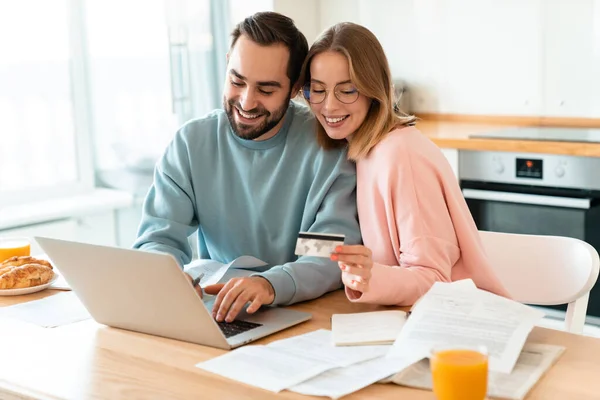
(370, 328)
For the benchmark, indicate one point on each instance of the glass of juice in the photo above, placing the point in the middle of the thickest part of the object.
(459, 372)
(13, 246)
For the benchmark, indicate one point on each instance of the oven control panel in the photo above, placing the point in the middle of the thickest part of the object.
(530, 169)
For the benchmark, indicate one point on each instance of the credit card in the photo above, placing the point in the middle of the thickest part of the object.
(318, 244)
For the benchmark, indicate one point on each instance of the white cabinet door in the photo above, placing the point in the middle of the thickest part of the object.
(492, 57)
(463, 57)
(411, 34)
(452, 157)
(333, 11)
(572, 58)
(305, 16)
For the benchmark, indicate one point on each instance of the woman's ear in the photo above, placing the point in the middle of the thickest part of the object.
(296, 88)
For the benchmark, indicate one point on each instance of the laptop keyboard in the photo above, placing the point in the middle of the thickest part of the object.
(230, 329)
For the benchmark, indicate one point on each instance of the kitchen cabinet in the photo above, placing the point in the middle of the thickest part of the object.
(464, 57)
(491, 57)
(572, 58)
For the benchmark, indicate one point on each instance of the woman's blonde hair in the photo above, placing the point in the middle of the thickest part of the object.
(370, 73)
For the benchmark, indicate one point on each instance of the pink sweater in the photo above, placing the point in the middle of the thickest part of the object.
(415, 220)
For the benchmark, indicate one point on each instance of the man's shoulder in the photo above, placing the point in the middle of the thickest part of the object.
(302, 112)
(304, 122)
(303, 131)
(209, 125)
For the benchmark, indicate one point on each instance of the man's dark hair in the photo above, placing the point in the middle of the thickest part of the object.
(268, 28)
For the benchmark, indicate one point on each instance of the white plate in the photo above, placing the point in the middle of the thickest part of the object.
(27, 290)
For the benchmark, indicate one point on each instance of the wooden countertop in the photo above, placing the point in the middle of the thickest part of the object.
(454, 134)
(86, 360)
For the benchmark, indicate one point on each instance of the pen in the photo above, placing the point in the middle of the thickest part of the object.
(197, 279)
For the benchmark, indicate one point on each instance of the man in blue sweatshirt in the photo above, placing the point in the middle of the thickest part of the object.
(250, 177)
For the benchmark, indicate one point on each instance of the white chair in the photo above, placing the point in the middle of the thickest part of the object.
(545, 270)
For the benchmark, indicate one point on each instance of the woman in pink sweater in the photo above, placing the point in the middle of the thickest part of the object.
(415, 223)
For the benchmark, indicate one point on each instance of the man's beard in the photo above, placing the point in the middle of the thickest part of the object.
(251, 132)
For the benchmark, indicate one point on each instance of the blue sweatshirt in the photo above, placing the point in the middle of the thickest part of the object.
(246, 197)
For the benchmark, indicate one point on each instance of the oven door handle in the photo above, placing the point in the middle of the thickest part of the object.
(523, 198)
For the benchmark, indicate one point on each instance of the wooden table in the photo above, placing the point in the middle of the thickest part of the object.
(86, 360)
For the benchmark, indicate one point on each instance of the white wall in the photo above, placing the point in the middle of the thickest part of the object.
(333, 11)
(517, 57)
(313, 16)
(305, 14)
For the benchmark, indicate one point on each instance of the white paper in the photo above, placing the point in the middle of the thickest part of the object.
(461, 284)
(339, 382)
(268, 368)
(214, 271)
(376, 327)
(319, 346)
(60, 283)
(247, 262)
(288, 362)
(533, 362)
(451, 314)
(464, 284)
(49, 312)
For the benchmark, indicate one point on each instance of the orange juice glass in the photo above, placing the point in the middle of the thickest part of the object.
(459, 373)
(13, 246)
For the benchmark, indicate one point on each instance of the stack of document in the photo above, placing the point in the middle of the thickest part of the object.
(448, 314)
(534, 361)
(458, 314)
(308, 364)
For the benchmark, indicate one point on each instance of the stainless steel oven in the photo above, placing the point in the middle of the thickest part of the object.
(532, 193)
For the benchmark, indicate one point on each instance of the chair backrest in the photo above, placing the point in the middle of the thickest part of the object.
(544, 270)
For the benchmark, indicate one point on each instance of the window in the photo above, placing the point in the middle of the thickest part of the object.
(129, 73)
(41, 135)
(96, 85)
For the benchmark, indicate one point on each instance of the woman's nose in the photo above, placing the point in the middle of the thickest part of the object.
(331, 102)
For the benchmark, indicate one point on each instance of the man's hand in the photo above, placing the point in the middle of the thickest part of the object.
(197, 287)
(236, 293)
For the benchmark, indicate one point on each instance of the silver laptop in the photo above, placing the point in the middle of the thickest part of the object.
(148, 292)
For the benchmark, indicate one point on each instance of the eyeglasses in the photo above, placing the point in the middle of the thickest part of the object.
(316, 93)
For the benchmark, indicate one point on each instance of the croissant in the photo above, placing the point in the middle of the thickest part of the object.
(17, 261)
(24, 276)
